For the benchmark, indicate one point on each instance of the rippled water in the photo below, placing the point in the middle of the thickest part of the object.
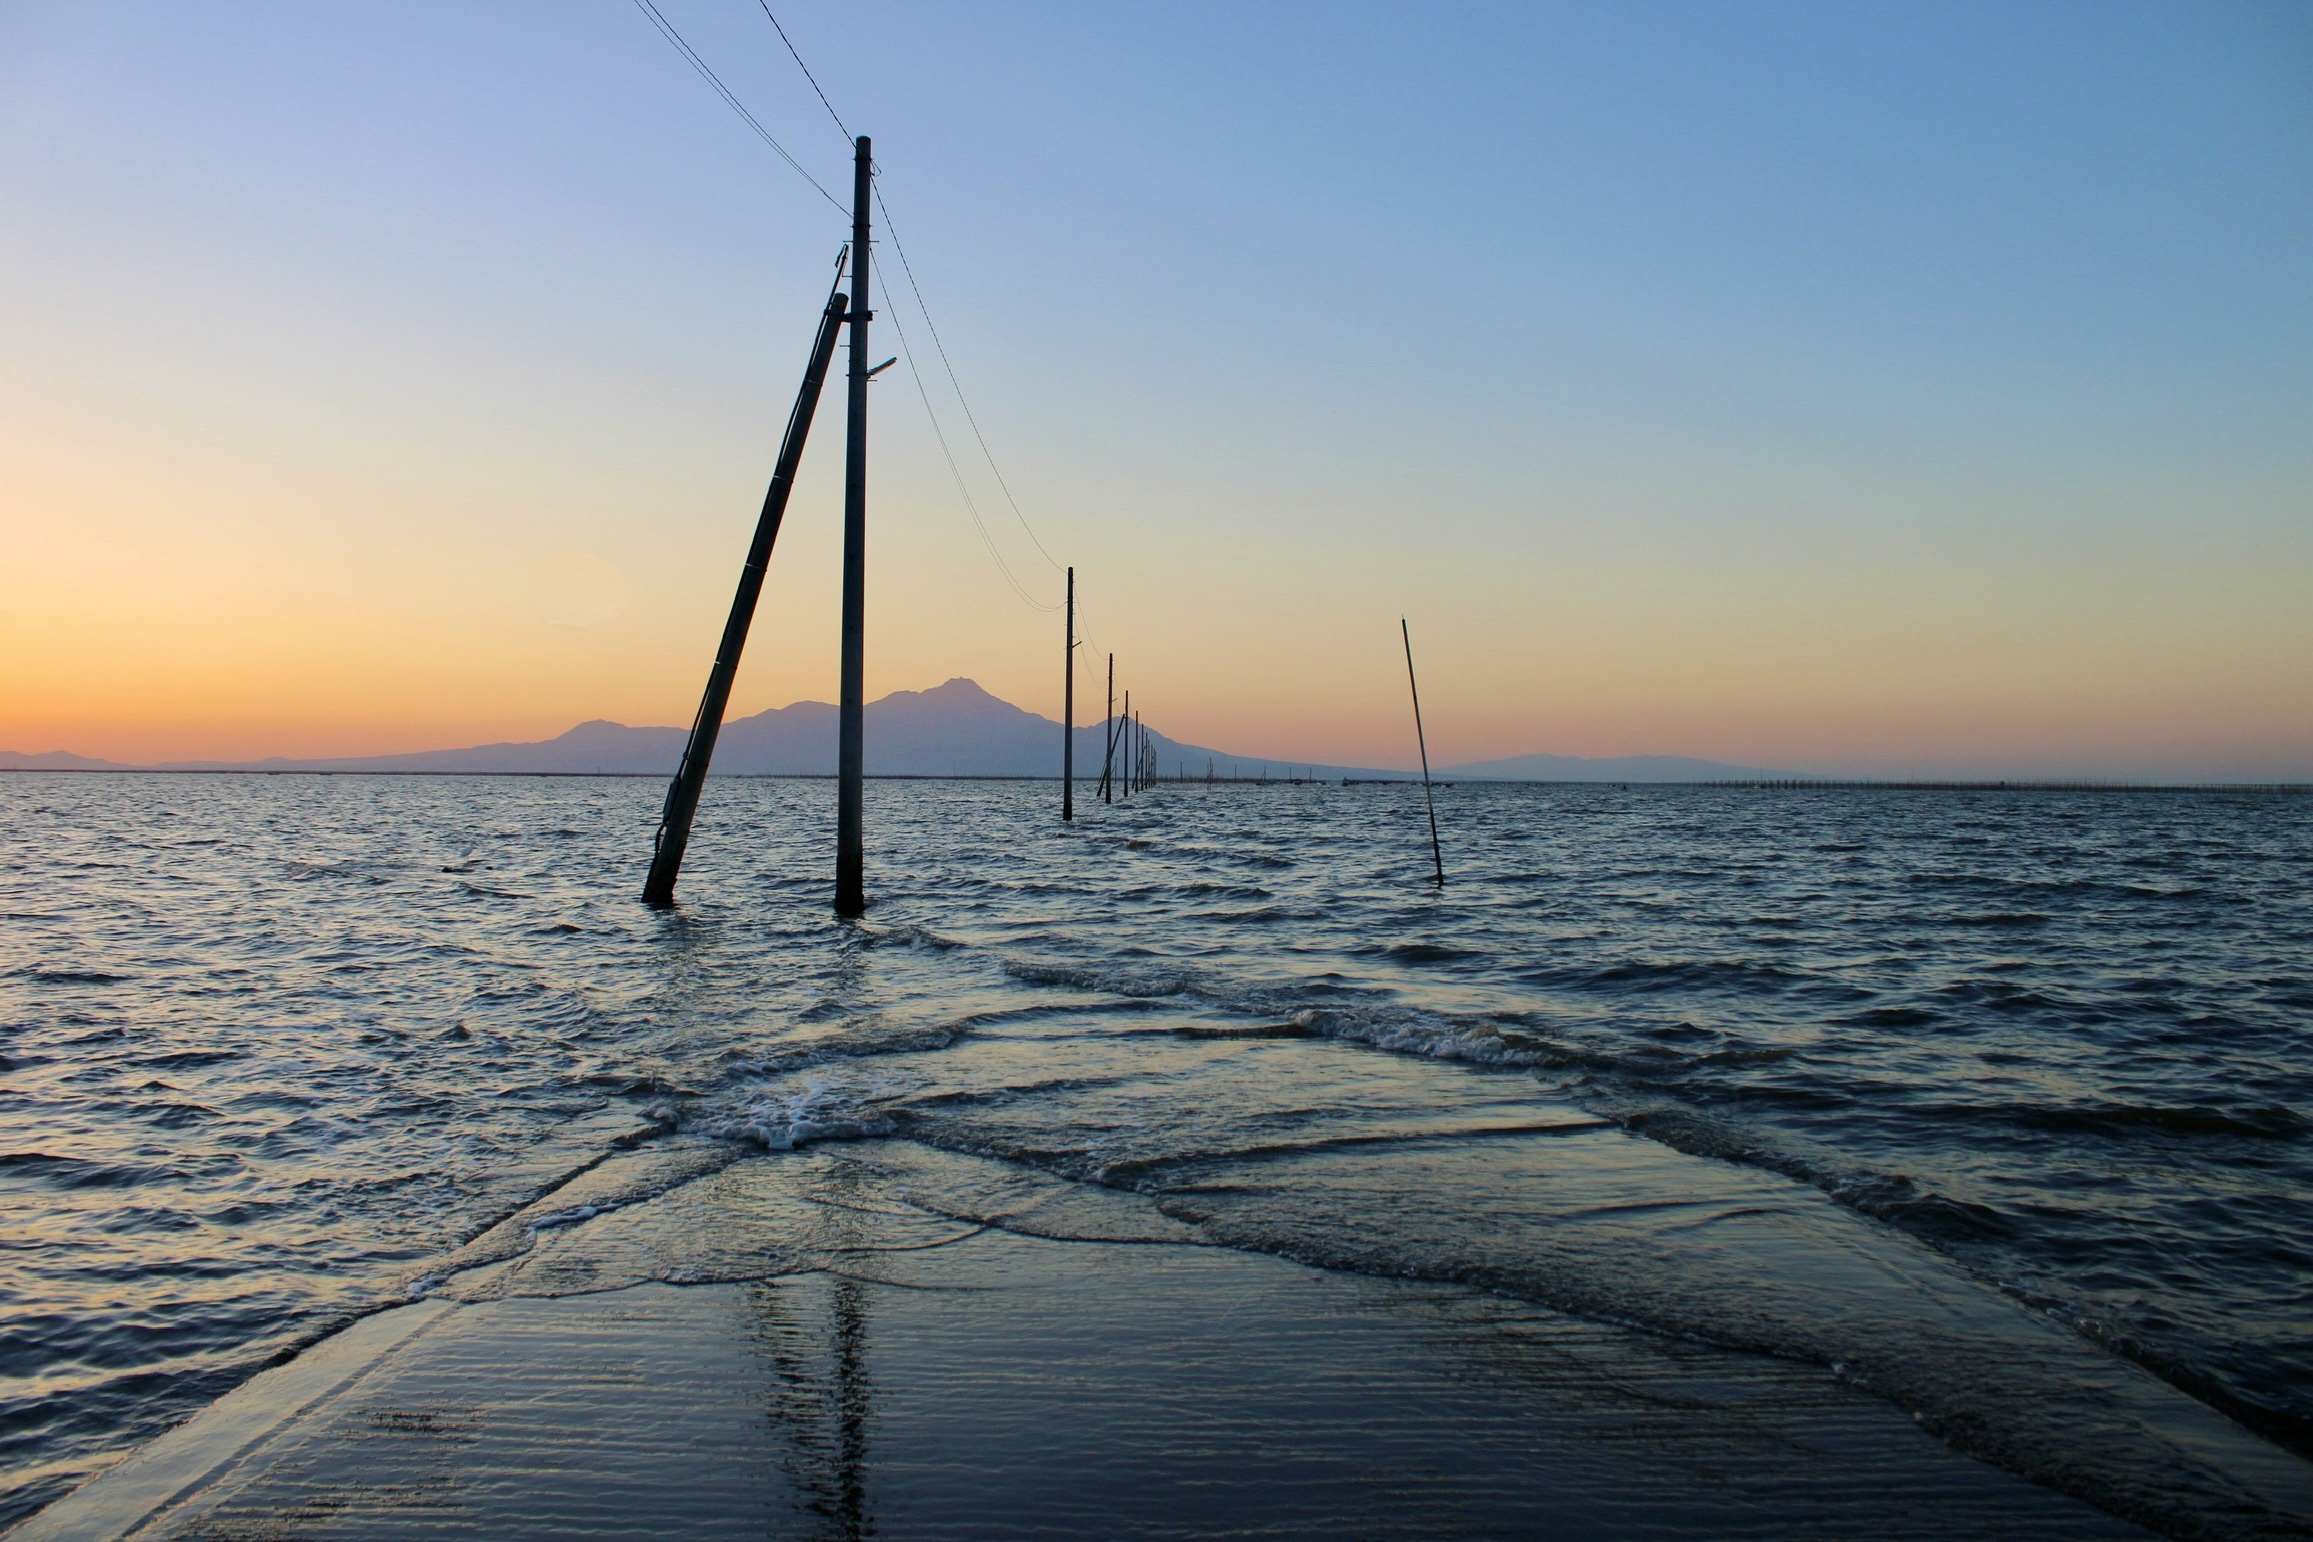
(271, 1046)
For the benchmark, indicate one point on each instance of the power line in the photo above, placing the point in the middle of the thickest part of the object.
(806, 69)
(891, 227)
(667, 31)
(955, 471)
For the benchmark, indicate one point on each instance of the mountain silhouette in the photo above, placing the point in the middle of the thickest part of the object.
(956, 729)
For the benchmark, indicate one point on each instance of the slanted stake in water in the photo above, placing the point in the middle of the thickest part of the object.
(1436, 856)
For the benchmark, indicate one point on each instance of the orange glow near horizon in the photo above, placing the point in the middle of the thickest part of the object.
(193, 606)
(366, 394)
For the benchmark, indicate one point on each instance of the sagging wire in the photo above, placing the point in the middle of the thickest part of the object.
(806, 69)
(891, 228)
(908, 352)
(667, 31)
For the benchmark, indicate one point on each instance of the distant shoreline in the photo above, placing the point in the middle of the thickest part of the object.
(1778, 784)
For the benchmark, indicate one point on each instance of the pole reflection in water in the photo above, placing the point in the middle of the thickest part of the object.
(811, 1333)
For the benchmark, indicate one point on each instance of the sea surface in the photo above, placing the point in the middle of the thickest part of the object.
(272, 1046)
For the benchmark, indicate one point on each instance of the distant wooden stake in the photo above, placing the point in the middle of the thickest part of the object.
(1436, 854)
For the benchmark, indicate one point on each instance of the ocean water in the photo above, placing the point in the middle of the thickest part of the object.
(273, 1049)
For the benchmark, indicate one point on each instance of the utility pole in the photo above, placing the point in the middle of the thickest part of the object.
(1436, 856)
(1108, 738)
(851, 734)
(1068, 713)
(1124, 740)
(682, 805)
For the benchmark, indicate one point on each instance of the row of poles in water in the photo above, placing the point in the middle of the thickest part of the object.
(1128, 760)
(1140, 757)
(1120, 775)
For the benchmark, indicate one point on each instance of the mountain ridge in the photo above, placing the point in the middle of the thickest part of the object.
(956, 728)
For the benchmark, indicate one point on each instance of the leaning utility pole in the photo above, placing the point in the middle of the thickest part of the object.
(851, 737)
(1437, 856)
(682, 805)
(1068, 713)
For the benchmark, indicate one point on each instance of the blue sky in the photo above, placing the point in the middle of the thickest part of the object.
(1866, 388)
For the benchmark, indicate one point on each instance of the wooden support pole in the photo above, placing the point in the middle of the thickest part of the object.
(682, 805)
(851, 712)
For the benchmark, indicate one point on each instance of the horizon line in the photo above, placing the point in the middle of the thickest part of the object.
(1762, 784)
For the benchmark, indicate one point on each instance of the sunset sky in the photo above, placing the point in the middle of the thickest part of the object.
(1870, 388)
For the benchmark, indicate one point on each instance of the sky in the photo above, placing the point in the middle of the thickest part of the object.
(1905, 389)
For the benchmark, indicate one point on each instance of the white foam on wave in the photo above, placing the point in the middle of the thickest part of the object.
(823, 1107)
(1374, 1021)
(1412, 1031)
(570, 1217)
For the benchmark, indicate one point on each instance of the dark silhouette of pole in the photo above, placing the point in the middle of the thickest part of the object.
(1068, 713)
(1108, 737)
(682, 805)
(1436, 855)
(851, 718)
(1124, 742)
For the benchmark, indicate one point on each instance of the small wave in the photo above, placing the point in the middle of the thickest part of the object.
(1263, 915)
(2265, 1123)
(571, 1217)
(66, 1172)
(483, 891)
(1144, 980)
(822, 1109)
(907, 936)
(866, 1039)
(1892, 1197)
(1704, 975)
(1427, 953)
(1890, 1017)
(1409, 1030)
(1250, 1031)
(776, 1134)
(631, 1083)
(185, 1059)
(177, 1116)
(43, 974)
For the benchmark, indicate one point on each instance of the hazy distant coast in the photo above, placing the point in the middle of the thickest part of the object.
(956, 729)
